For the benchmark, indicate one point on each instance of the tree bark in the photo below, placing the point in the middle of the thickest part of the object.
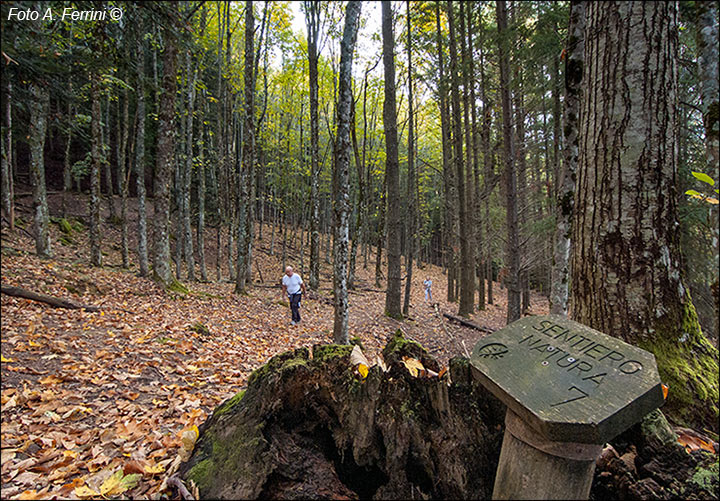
(342, 173)
(96, 154)
(140, 162)
(627, 279)
(392, 168)
(411, 210)
(8, 198)
(450, 216)
(165, 160)
(201, 201)
(248, 151)
(123, 176)
(467, 266)
(187, 175)
(312, 17)
(513, 240)
(39, 102)
(566, 180)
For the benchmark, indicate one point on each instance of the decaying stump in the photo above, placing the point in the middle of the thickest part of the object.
(647, 462)
(309, 426)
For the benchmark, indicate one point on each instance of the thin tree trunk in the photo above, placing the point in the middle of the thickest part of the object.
(123, 177)
(165, 160)
(467, 291)
(67, 167)
(97, 145)
(392, 168)
(8, 198)
(411, 210)
(248, 154)
(39, 102)
(105, 153)
(140, 163)
(342, 173)
(513, 244)
(566, 181)
(187, 175)
(201, 201)
(450, 221)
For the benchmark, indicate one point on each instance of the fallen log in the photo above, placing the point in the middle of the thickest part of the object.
(467, 323)
(44, 298)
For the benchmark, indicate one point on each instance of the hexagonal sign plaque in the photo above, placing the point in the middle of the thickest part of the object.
(567, 381)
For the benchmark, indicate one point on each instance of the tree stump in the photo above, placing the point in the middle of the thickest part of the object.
(309, 426)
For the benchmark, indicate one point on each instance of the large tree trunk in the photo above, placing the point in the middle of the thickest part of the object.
(97, 143)
(392, 168)
(513, 240)
(626, 275)
(566, 180)
(39, 102)
(411, 210)
(467, 266)
(342, 173)
(165, 160)
(140, 162)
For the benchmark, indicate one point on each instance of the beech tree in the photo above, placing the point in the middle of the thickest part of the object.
(627, 278)
(343, 151)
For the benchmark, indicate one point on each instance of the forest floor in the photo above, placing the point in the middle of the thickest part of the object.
(85, 395)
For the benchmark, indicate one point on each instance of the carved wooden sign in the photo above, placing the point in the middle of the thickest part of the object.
(567, 381)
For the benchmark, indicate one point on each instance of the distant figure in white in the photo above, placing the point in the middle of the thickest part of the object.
(427, 285)
(292, 284)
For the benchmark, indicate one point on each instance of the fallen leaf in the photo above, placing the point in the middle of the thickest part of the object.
(665, 389)
(3, 359)
(363, 370)
(85, 492)
(413, 366)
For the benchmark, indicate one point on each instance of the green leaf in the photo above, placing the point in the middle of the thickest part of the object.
(693, 193)
(703, 177)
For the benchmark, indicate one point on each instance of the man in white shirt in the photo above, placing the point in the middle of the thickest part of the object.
(292, 284)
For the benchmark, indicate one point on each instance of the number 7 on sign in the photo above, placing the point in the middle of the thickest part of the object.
(582, 395)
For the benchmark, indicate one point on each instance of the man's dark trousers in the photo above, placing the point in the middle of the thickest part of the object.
(295, 306)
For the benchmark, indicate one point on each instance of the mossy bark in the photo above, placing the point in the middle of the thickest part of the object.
(309, 426)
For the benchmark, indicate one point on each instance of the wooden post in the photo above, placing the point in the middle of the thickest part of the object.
(531, 467)
(569, 389)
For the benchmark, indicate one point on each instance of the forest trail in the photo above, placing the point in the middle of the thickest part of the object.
(85, 393)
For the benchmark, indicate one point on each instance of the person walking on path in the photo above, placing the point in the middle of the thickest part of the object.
(427, 285)
(294, 287)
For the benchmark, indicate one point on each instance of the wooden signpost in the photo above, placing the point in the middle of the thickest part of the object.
(569, 389)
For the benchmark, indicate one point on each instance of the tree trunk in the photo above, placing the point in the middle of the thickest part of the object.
(187, 175)
(392, 168)
(312, 17)
(467, 266)
(105, 153)
(341, 176)
(165, 160)
(39, 102)
(566, 181)
(8, 199)
(513, 240)
(248, 152)
(201, 202)
(450, 219)
(140, 162)
(96, 154)
(411, 210)
(627, 276)
(123, 176)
